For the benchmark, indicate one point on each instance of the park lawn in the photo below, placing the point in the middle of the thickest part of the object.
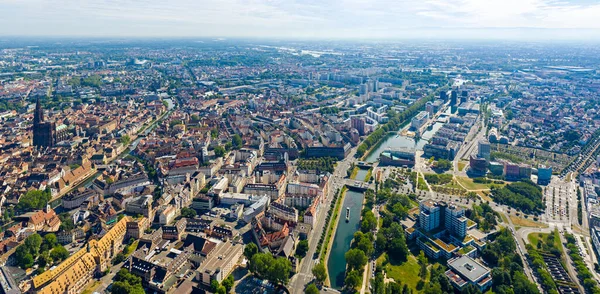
(535, 238)
(131, 248)
(523, 222)
(461, 165)
(453, 184)
(470, 185)
(405, 273)
(504, 218)
(484, 195)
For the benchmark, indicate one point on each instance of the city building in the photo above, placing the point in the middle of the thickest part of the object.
(74, 273)
(419, 120)
(45, 133)
(465, 270)
(544, 174)
(485, 149)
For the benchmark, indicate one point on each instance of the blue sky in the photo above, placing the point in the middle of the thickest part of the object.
(362, 19)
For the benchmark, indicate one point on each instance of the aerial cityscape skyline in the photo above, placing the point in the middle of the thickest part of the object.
(300, 147)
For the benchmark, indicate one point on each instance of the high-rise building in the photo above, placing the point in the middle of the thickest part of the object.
(453, 98)
(429, 216)
(358, 123)
(455, 221)
(544, 175)
(464, 96)
(444, 95)
(364, 89)
(485, 149)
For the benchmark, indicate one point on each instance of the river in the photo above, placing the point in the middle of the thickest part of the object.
(343, 237)
(361, 175)
(396, 141)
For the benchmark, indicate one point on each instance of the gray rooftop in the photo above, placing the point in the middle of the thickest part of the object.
(468, 268)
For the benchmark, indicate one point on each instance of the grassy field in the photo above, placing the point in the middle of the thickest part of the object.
(461, 165)
(354, 172)
(421, 185)
(523, 222)
(504, 218)
(453, 184)
(485, 195)
(91, 287)
(406, 273)
(131, 248)
(470, 185)
(535, 238)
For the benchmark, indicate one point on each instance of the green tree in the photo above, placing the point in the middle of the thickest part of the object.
(369, 222)
(443, 165)
(279, 272)
(188, 212)
(250, 250)
(221, 290)
(125, 140)
(423, 263)
(59, 253)
(228, 283)
(356, 259)
(51, 240)
(119, 258)
(236, 141)
(320, 273)
(33, 200)
(302, 248)
(214, 286)
(219, 151)
(33, 243)
(352, 280)
(311, 289)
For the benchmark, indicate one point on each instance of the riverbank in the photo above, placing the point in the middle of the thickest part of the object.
(331, 227)
(343, 236)
(382, 141)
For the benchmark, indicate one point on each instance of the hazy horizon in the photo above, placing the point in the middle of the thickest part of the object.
(347, 19)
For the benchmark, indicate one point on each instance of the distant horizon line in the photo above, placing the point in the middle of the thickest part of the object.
(484, 34)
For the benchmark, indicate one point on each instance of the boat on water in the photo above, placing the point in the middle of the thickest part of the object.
(347, 214)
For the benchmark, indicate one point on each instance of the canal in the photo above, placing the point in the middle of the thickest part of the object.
(361, 175)
(343, 236)
(398, 141)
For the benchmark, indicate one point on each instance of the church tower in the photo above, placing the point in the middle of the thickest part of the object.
(43, 131)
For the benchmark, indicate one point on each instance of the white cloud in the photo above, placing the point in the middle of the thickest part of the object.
(285, 18)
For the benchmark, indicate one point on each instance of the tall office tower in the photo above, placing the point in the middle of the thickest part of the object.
(444, 95)
(364, 89)
(453, 98)
(359, 124)
(464, 96)
(485, 149)
(429, 217)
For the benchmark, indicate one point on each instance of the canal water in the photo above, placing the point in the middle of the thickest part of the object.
(361, 175)
(398, 141)
(343, 236)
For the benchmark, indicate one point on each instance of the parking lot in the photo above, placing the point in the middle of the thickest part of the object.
(251, 285)
(558, 196)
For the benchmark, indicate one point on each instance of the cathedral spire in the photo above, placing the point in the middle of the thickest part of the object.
(38, 116)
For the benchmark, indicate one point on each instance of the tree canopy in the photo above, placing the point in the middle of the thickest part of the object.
(524, 195)
(276, 270)
(34, 200)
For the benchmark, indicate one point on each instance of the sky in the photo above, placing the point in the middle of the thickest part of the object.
(304, 19)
